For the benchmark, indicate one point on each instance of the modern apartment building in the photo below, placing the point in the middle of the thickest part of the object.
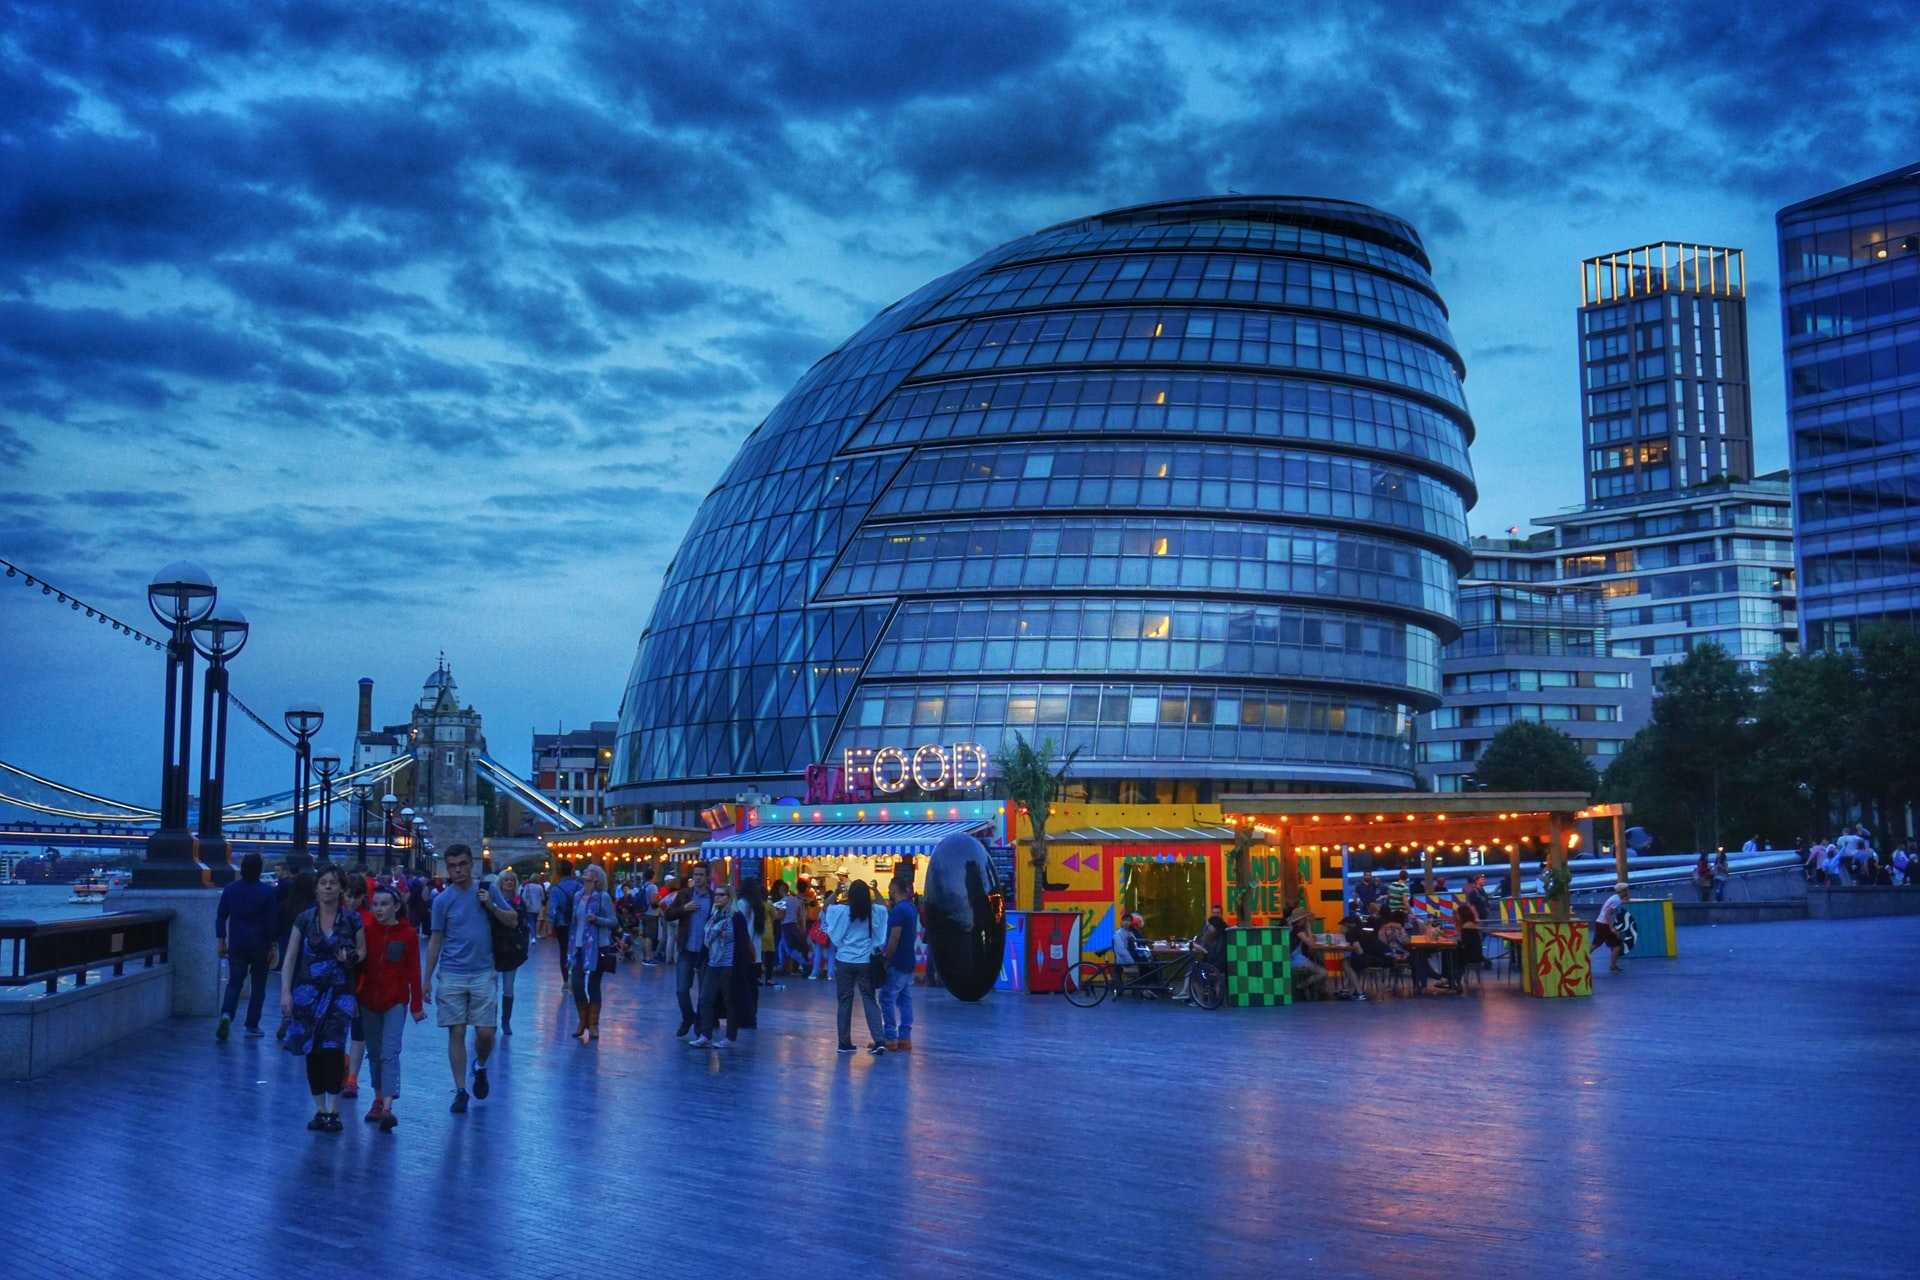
(1850, 272)
(570, 768)
(1529, 653)
(1663, 370)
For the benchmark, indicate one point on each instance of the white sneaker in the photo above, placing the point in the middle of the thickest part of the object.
(699, 1042)
(720, 1044)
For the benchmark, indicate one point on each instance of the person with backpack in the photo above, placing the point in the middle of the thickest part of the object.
(460, 974)
(1614, 923)
(511, 945)
(649, 918)
(560, 900)
(591, 937)
(857, 930)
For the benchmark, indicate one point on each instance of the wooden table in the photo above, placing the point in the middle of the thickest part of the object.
(1449, 947)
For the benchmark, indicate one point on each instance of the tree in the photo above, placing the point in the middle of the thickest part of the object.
(1702, 717)
(1031, 778)
(1526, 756)
(1884, 732)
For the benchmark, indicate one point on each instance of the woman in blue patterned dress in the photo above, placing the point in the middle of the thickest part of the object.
(324, 952)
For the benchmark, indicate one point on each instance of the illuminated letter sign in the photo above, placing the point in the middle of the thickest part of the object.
(928, 767)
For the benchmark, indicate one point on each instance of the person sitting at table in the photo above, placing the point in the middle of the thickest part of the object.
(1309, 976)
(1393, 939)
(1368, 951)
(1420, 960)
(1130, 944)
(1468, 915)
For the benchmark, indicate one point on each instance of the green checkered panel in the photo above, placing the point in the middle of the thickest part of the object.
(1259, 967)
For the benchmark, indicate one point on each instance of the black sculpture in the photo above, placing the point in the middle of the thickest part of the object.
(966, 916)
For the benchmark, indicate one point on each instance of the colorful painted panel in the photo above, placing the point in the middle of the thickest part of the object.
(1554, 960)
(1259, 967)
(1653, 927)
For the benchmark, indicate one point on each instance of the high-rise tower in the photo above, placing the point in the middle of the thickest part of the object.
(1663, 370)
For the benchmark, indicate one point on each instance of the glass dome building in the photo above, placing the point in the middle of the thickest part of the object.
(1183, 486)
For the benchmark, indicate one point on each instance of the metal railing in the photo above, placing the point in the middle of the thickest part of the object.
(49, 950)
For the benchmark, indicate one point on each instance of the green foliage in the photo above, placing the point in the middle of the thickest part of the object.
(1526, 756)
(1032, 776)
(1829, 734)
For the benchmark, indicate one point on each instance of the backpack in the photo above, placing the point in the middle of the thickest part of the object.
(1626, 930)
(510, 943)
(560, 902)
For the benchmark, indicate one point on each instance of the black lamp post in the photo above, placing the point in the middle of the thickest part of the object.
(360, 793)
(303, 720)
(407, 833)
(327, 765)
(219, 637)
(387, 802)
(416, 846)
(179, 595)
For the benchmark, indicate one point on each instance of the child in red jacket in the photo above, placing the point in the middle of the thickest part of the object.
(389, 988)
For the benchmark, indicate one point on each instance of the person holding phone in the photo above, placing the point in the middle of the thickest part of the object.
(592, 943)
(718, 947)
(317, 984)
(389, 991)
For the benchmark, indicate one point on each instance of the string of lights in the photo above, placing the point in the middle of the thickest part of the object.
(252, 715)
(78, 605)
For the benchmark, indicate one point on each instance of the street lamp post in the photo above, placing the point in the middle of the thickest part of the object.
(419, 838)
(179, 595)
(303, 720)
(360, 793)
(327, 765)
(406, 830)
(387, 802)
(218, 638)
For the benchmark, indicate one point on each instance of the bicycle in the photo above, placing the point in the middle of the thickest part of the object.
(1092, 981)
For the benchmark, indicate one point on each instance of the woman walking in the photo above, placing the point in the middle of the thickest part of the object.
(718, 983)
(743, 992)
(856, 929)
(591, 946)
(316, 988)
(510, 891)
(389, 990)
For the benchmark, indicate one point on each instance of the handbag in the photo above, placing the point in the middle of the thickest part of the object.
(877, 962)
(608, 961)
(510, 943)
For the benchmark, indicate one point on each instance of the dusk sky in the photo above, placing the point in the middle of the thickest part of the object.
(428, 326)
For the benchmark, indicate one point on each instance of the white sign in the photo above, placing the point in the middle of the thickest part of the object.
(929, 767)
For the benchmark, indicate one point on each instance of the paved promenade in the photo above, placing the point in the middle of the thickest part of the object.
(1680, 1123)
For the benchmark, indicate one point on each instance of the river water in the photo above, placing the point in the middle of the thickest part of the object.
(42, 902)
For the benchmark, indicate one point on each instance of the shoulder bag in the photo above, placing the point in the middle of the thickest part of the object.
(877, 962)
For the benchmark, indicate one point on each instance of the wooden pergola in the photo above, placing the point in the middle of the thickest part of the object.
(1538, 825)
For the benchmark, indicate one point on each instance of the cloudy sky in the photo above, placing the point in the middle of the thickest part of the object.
(427, 325)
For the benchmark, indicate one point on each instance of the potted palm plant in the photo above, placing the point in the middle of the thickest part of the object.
(1031, 775)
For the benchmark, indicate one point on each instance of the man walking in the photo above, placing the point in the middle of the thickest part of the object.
(649, 918)
(896, 998)
(687, 916)
(533, 897)
(460, 970)
(560, 903)
(245, 926)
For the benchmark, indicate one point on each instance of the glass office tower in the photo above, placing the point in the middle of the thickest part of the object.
(1663, 370)
(1850, 266)
(1182, 486)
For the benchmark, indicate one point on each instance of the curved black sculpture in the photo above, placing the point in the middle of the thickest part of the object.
(966, 916)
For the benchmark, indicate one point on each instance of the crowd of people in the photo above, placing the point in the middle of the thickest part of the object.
(1850, 859)
(358, 956)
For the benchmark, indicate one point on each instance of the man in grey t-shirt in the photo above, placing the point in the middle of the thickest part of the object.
(460, 970)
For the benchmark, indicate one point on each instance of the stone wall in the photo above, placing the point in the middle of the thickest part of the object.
(1851, 903)
(40, 1033)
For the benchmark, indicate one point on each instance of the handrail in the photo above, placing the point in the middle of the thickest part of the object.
(49, 950)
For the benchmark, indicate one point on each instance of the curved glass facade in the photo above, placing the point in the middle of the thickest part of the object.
(1182, 486)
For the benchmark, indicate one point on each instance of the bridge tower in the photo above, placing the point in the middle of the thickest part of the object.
(445, 737)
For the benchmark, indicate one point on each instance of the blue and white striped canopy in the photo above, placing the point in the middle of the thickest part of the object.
(799, 839)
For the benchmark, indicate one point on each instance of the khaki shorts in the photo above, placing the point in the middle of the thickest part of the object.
(465, 999)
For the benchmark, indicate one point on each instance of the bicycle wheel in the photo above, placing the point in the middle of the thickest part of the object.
(1209, 986)
(1087, 984)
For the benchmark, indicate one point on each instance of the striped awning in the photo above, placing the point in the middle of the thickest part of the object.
(1142, 835)
(866, 839)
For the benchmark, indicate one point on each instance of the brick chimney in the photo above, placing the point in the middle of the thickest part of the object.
(366, 704)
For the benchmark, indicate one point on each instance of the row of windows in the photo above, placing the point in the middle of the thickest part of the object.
(1198, 337)
(1173, 722)
(1700, 582)
(1595, 319)
(1704, 613)
(1830, 309)
(1498, 713)
(1856, 363)
(1741, 643)
(1286, 408)
(1007, 554)
(1750, 515)
(1621, 483)
(1263, 480)
(1198, 277)
(1837, 242)
(1626, 427)
(1527, 680)
(1861, 491)
(1622, 399)
(1098, 636)
(1543, 640)
(1628, 456)
(1461, 750)
(1899, 561)
(1229, 234)
(1868, 422)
